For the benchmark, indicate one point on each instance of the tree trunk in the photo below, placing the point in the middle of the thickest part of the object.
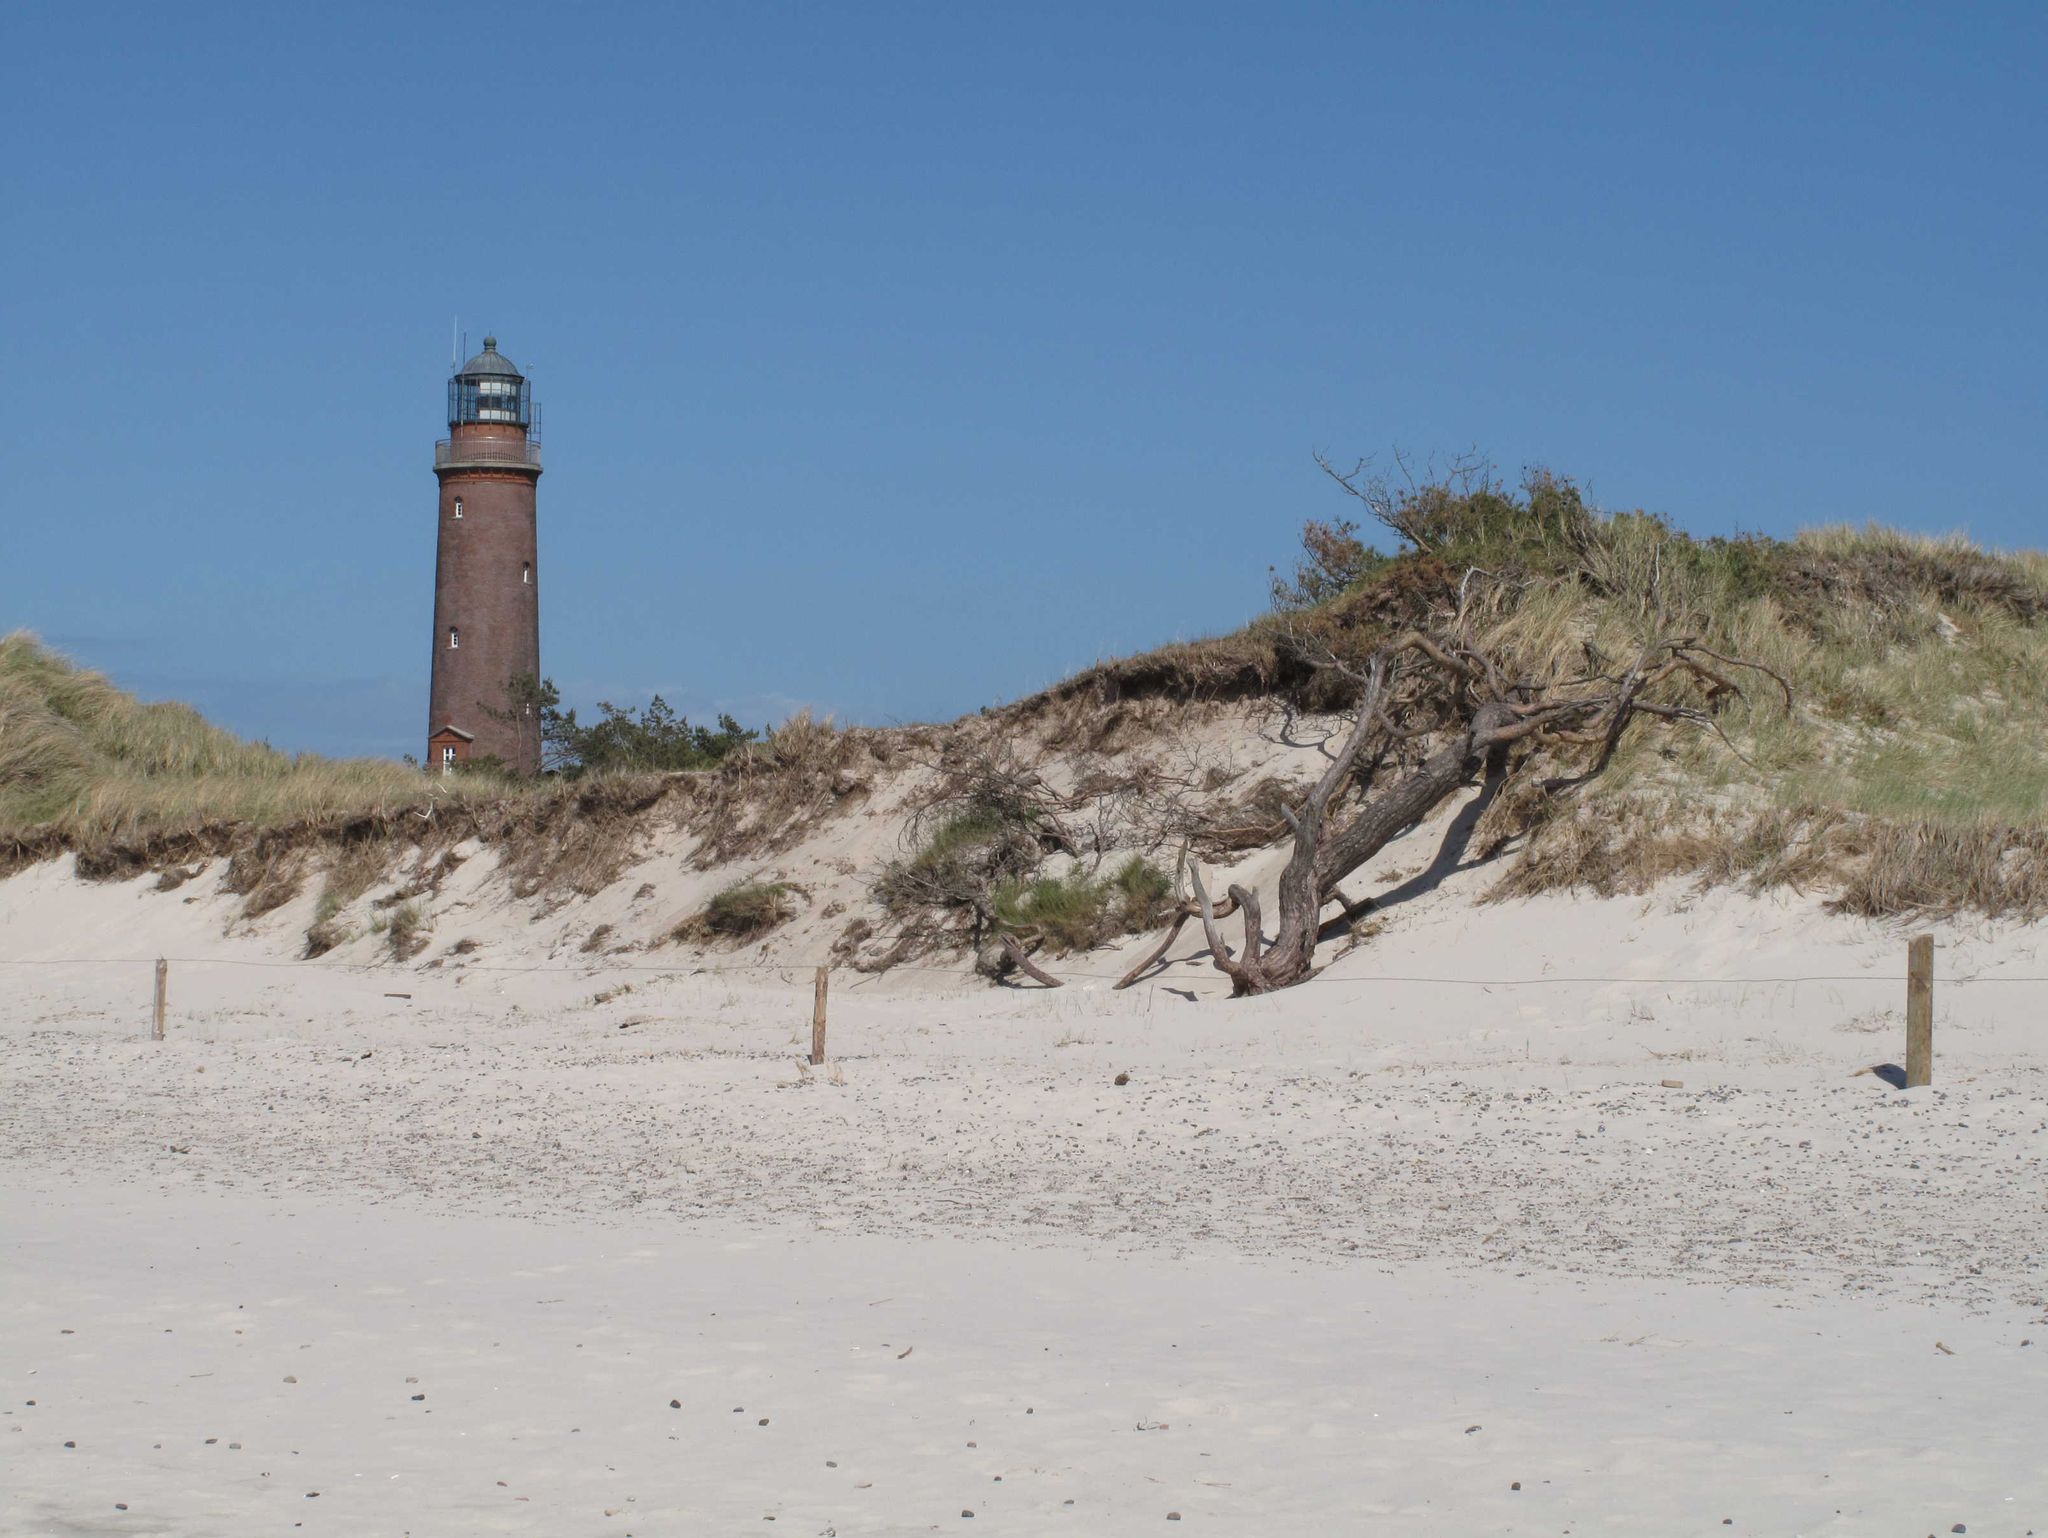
(1319, 863)
(1384, 818)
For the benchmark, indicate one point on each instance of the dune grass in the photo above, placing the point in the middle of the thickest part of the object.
(83, 763)
(1919, 667)
(1908, 773)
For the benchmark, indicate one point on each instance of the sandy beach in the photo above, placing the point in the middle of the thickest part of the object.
(443, 1373)
(1371, 1252)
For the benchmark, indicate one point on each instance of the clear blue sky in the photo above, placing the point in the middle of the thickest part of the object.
(897, 359)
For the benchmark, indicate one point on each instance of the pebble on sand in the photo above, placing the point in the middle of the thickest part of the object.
(675, 1404)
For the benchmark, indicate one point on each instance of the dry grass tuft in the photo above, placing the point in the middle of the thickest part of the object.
(582, 839)
(408, 931)
(749, 908)
(1932, 869)
(743, 912)
(1265, 659)
(359, 862)
(768, 796)
(266, 875)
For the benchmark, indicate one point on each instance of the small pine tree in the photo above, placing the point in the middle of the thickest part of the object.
(654, 738)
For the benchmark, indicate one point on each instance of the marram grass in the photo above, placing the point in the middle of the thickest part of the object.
(83, 764)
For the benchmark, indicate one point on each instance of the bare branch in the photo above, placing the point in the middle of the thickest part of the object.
(1741, 662)
(1158, 952)
(1026, 965)
(1242, 980)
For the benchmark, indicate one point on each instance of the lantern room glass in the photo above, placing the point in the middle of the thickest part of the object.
(474, 398)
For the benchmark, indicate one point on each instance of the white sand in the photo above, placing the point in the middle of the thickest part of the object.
(1252, 1395)
(1312, 1241)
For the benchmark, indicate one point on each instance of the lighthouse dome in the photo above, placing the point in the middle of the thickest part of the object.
(490, 363)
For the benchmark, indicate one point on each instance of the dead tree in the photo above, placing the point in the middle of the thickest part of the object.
(1475, 716)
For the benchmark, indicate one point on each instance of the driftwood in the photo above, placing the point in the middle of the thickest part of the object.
(1479, 719)
(1153, 957)
(1021, 960)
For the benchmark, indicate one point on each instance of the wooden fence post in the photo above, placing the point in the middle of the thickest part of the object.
(156, 1014)
(1920, 1011)
(818, 1019)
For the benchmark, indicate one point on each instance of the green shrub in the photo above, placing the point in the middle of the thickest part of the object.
(1142, 892)
(969, 855)
(1078, 911)
(1065, 911)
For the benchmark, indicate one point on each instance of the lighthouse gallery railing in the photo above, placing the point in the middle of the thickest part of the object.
(486, 451)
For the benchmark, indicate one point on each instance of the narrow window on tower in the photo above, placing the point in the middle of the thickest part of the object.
(454, 638)
(458, 507)
(526, 571)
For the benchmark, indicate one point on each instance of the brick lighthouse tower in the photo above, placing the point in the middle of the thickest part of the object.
(486, 569)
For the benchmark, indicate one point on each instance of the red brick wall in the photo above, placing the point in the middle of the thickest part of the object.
(478, 590)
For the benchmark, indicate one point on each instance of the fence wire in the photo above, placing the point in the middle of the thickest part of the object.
(364, 968)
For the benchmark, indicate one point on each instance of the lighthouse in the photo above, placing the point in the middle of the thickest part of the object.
(486, 570)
